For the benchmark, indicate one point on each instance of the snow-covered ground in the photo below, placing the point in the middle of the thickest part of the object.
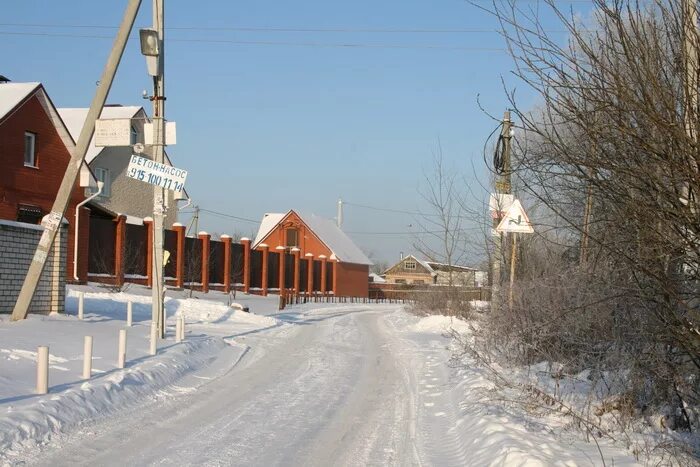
(317, 384)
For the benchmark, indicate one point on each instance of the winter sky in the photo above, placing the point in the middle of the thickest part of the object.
(290, 105)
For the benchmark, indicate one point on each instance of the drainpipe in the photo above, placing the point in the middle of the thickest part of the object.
(100, 185)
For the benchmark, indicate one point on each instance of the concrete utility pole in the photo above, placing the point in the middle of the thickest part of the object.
(159, 193)
(53, 221)
(503, 186)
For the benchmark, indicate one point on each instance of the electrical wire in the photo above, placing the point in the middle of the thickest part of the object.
(274, 43)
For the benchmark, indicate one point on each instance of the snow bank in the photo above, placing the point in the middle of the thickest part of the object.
(440, 324)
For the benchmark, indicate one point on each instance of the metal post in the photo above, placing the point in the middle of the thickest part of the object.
(81, 305)
(153, 348)
(158, 289)
(87, 357)
(42, 370)
(121, 357)
(62, 200)
(512, 272)
(129, 313)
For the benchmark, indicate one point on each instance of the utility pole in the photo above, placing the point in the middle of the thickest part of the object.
(339, 219)
(690, 39)
(503, 186)
(159, 194)
(53, 221)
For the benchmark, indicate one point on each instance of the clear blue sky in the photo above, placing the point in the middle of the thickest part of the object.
(271, 127)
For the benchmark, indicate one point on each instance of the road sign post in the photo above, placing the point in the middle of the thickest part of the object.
(514, 221)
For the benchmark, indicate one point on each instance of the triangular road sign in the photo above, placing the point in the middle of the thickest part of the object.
(515, 220)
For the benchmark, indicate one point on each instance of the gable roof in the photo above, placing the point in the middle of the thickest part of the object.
(424, 264)
(341, 246)
(447, 267)
(74, 119)
(13, 94)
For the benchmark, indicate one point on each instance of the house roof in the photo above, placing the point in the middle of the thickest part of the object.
(341, 246)
(447, 267)
(376, 278)
(74, 119)
(13, 94)
(419, 261)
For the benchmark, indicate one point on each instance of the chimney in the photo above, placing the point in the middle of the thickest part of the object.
(401, 255)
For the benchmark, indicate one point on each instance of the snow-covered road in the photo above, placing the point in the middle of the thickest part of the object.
(342, 385)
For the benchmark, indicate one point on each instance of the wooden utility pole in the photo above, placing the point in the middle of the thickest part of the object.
(53, 220)
(503, 186)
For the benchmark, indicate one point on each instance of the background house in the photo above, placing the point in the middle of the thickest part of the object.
(317, 237)
(411, 270)
(121, 194)
(34, 153)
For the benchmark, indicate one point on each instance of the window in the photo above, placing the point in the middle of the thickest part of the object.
(409, 265)
(29, 214)
(105, 177)
(292, 237)
(134, 136)
(419, 282)
(400, 281)
(29, 149)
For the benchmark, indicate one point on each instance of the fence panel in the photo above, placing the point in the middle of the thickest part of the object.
(237, 263)
(136, 250)
(170, 244)
(273, 270)
(216, 262)
(256, 269)
(288, 270)
(317, 276)
(303, 275)
(193, 260)
(329, 277)
(102, 237)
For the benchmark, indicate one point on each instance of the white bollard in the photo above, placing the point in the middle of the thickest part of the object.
(182, 329)
(42, 370)
(129, 314)
(87, 357)
(81, 305)
(154, 338)
(121, 357)
(178, 329)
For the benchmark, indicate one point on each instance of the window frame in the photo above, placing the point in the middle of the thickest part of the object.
(412, 264)
(296, 237)
(107, 188)
(32, 138)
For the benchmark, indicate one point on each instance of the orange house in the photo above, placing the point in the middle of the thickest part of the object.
(314, 238)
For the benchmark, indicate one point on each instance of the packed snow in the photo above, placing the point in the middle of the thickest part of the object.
(314, 384)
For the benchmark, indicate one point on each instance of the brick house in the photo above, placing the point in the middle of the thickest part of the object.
(34, 153)
(313, 237)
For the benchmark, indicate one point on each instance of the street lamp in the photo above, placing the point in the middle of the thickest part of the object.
(150, 48)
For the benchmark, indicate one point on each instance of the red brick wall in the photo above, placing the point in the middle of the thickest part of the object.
(353, 280)
(35, 186)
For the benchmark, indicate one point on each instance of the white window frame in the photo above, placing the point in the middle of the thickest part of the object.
(105, 176)
(32, 139)
(133, 136)
(410, 264)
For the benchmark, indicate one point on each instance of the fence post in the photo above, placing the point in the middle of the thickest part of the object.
(81, 305)
(206, 251)
(246, 264)
(297, 268)
(129, 313)
(87, 357)
(180, 255)
(42, 370)
(119, 249)
(227, 262)
(265, 265)
(121, 355)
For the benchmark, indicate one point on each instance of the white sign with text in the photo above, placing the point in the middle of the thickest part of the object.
(165, 176)
(113, 132)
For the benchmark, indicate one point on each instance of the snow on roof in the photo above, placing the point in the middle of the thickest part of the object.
(376, 278)
(74, 118)
(341, 246)
(443, 266)
(12, 94)
(269, 221)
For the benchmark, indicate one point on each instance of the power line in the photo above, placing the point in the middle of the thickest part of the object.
(273, 43)
(280, 29)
